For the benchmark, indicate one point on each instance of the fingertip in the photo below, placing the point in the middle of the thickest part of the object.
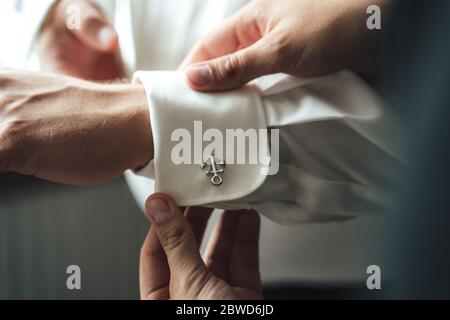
(158, 209)
(212, 87)
(159, 206)
(202, 79)
(199, 76)
(156, 195)
(108, 38)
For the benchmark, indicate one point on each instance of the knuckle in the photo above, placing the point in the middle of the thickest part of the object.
(279, 50)
(189, 283)
(229, 68)
(194, 278)
(281, 46)
(173, 238)
(286, 53)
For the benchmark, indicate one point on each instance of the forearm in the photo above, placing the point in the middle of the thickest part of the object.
(72, 131)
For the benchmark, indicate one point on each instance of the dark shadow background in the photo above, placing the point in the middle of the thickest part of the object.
(45, 227)
(418, 249)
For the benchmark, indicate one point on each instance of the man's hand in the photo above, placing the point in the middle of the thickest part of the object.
(303, 38)
(89, 52)
(171, 266)
(69, 130)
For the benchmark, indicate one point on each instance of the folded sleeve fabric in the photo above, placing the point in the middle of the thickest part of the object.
(339, 146)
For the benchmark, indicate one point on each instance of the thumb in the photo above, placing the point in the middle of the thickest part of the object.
(175, 235)
(234, 70)
(94, 29)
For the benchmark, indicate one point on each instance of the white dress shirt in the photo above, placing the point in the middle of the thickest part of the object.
(339, 146)
(339, 143)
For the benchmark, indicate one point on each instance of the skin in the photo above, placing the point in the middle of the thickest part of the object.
(171, 266)
(89, 52)
(305, 38)
(67, 130)
(72, 131)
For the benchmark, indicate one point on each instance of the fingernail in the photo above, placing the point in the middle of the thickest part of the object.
(200, 75)
(158, 209)
(106, 36)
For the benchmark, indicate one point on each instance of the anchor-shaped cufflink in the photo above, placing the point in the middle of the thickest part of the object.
(214, 169)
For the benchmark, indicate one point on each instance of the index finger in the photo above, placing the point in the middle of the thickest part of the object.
(154, 273)
(176, 236)
(245, 263)
(198, 219)
(237, 31)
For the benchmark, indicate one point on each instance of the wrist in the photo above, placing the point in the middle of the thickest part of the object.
(137, 136)
(143, 138)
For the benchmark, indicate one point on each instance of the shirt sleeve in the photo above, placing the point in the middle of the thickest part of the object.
(32, 14)
(337, 151)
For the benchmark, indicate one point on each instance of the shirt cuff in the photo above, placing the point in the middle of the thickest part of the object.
(181, 117)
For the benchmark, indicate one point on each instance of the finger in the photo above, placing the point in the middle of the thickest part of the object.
(119, 71)
(220, 248)
(245, 263)
(198, 219)
(234, 70)
(237, 31)
(94, 30)
(154, 273)
(175, 235)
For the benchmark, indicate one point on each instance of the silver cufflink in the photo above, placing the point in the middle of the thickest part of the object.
(214, 169)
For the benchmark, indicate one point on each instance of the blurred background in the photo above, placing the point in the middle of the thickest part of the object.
(44, 228)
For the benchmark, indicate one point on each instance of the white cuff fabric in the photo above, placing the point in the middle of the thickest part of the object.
(174, 106)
